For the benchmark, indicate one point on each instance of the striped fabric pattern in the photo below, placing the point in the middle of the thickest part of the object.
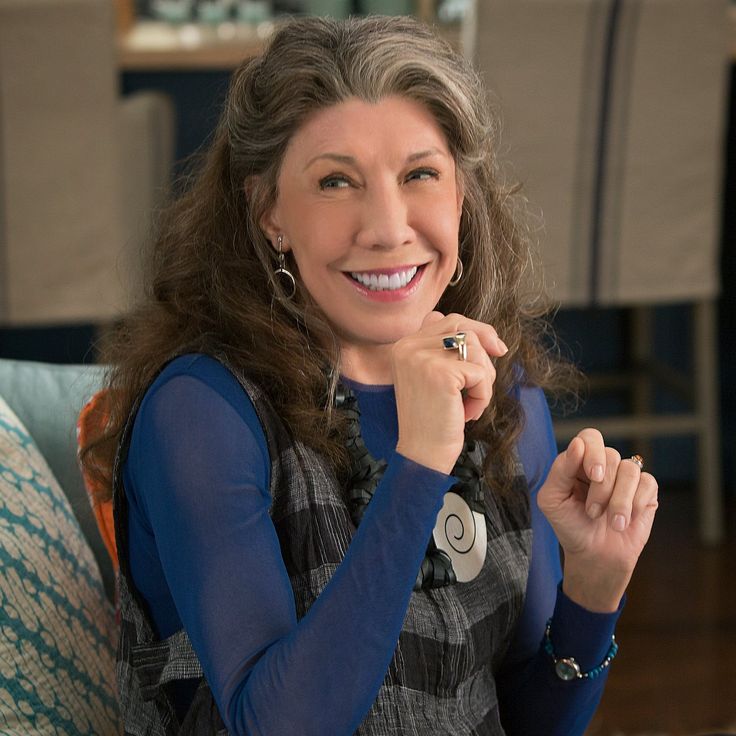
(56, 626)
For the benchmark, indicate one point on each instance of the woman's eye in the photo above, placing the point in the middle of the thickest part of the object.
(334, 181)
(423, 174)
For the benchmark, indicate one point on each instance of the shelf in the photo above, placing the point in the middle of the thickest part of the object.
(152, 45)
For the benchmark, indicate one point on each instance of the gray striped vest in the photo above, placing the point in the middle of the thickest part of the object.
(441, 678)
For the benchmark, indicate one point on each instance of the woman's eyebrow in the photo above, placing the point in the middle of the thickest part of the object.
(350, 160)
(424, 154)
(339, 157)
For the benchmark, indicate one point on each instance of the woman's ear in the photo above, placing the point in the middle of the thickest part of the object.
(266, 223)
(270, 226)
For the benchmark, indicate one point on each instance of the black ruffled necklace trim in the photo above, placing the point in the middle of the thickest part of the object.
(366, 472)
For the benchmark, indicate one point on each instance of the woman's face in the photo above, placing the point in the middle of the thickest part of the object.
(369, 204)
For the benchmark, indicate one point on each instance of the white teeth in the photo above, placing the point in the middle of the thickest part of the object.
(384, 282)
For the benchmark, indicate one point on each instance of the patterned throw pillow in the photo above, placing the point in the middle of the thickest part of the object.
(57, 630)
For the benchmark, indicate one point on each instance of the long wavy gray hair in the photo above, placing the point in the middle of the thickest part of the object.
(212, 287)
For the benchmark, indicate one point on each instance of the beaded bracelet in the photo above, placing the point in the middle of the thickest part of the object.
(566, 668)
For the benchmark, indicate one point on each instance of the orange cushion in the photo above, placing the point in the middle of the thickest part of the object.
(92, 422)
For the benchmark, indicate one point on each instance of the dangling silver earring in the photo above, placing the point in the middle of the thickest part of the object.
(458, 273)
(283, 272)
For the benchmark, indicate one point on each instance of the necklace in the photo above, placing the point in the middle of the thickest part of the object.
(457, 548)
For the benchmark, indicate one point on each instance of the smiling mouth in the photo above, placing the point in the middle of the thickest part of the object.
(386, 282)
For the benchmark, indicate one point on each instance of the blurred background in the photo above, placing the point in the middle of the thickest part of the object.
(617, 119)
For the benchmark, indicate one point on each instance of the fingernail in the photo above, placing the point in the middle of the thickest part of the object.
(595, 510)
(619, 522)
(596, 473)
(503, 346)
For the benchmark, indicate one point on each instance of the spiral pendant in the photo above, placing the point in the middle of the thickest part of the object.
(460, 533)
(457, 550)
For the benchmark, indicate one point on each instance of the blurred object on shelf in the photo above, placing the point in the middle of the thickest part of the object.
(254, 11)
(190, 46)
(152, 35)
(187, 46)
(214, 12)
(453, 11)
(388, 7)
(331, 8)
(172, 11)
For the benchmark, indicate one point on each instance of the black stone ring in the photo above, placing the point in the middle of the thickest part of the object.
(456, 342)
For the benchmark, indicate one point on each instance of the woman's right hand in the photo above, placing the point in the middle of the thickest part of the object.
(436, 394)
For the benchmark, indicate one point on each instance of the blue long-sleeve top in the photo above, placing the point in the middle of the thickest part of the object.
(205, 556)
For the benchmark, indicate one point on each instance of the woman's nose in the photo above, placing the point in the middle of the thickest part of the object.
(385, 218)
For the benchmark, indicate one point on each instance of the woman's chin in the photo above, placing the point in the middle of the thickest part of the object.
(376, 337)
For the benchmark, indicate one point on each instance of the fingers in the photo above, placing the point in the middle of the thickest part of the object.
(563, 475)
(600, 491)
(436, 394)
(624, 493)
(645, 503)
(646, 500)
(476, 350)
(616, 493)
(435, 323)
(479, 375)
(611, 486)
(608, 486)
(574, 470)
(474, 377)
(594, 460)
(432, 317)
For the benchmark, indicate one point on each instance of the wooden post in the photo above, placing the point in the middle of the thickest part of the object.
(124, 15)
(425, 10)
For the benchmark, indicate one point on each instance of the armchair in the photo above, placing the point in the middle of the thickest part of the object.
(81, 169)
(58, 627)
(614, 115)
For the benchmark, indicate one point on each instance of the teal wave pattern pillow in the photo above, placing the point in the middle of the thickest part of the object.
(57, 629)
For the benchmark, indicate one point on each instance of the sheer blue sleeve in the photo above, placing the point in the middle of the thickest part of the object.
(197, 484)
(534, 701)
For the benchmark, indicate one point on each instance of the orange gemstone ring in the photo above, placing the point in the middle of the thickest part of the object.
(639, 460)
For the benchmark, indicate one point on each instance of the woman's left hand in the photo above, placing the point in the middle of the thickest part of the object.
(601, 509)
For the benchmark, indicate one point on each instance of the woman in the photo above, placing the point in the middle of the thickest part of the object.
(336, 337)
